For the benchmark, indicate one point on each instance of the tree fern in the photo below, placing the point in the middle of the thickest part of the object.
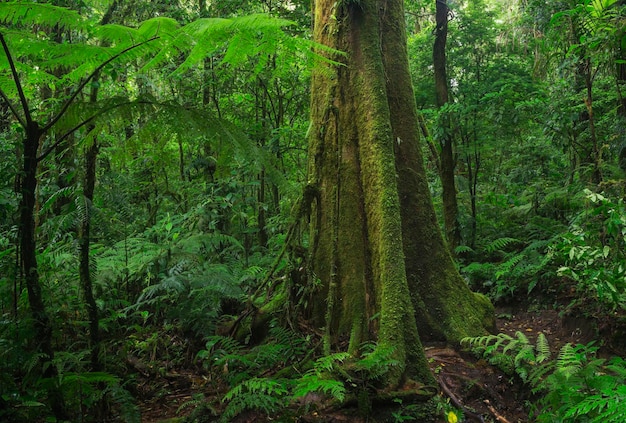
(41, 14)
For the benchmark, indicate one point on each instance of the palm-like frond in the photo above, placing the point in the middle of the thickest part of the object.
(24, 13)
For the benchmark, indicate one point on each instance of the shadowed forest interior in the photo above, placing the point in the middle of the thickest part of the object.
(313, 211)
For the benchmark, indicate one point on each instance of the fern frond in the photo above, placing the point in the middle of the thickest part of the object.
(501, 339)
(40, 14)
(314, 383)
(158, 27)
(90, 377)
(461, 249)
(543, 348)
(167, 286)
(66, 192)
(537, 375)
(262, 394)
(328, 363)
(500, 243)
(521, 336)
(617, 365)
(506, 267)
(568, 361)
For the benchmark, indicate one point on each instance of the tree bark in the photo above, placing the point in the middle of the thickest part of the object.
(28, 250)
(84, 242)
(445, 307)
(448, 162)
(361, 227)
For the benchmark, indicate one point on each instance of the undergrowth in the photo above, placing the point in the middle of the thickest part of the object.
(255, 385)
(575, 386)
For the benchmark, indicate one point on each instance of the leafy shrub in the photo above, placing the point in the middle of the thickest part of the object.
(512, 269)
(592, 253)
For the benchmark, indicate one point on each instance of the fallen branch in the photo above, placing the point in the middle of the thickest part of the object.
(499, 417)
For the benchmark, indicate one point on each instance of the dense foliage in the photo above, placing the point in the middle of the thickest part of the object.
(194, 119)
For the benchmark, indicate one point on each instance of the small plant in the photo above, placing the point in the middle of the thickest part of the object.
(319, 378)
(518, 266)
(512, 354)
(260, 394)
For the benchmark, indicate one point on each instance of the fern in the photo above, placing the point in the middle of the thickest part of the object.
(41, 14)
(463, 249)
(319, 378)
(313, 382)
(575, 385)
(505, 268)
(258, 394)
(500, 243)
(328, 363)
(376, 362)
(543, 348)
(516, 354)
(569, 361)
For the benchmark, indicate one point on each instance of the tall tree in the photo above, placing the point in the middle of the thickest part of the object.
(447, 160)
(35, 150)
(375, 244)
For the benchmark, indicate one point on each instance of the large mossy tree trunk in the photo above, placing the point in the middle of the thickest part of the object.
(369, 184)
(445, 307)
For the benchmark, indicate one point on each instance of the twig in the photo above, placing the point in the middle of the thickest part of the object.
(499, 417)
(458, 403)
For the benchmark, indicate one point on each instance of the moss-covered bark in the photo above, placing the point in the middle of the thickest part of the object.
(359, 112)
(445, 307)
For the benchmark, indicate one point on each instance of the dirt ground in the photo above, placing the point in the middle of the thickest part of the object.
(484, 392)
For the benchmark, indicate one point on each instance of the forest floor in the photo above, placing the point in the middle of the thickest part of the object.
(484, 391)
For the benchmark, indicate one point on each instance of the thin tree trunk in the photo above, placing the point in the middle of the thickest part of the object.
(448, 162)
(84, 240)
(596, 154)
(28, 250)
(91, 156)
(28, 244)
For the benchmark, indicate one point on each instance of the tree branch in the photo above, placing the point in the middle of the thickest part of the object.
(85, 81)
(12, 108)
(27, 117)
(85, 122)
